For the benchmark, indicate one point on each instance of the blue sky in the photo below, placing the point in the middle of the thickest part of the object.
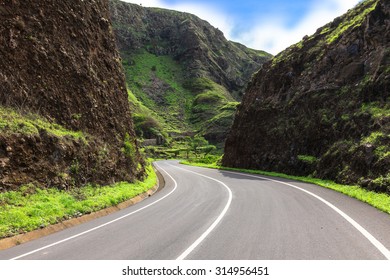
(271, 25)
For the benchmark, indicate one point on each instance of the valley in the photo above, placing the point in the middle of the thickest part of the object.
(99, 100)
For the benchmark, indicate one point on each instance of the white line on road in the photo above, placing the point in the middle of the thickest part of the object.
(103, 225)
(214, 224)
(355, 224)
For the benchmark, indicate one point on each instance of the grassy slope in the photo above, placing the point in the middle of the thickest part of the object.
(31, 207)
(379, 200)
(175, 104)
(180, 105)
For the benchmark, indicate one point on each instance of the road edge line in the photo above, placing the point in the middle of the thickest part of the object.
(377, 244)
(214, 224)
(102, 225)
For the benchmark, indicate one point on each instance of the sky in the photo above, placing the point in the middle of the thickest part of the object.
(270, 25)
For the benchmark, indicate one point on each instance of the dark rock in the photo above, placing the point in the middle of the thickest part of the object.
(58, 60)
(326, 97)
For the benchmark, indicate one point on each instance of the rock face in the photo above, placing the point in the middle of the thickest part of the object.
(59, 61)
(201, 48)
(321, 107)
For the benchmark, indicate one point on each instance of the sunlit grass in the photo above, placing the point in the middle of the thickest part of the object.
(31, 207)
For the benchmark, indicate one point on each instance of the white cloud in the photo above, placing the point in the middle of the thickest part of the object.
(271, 33)
(274, 35)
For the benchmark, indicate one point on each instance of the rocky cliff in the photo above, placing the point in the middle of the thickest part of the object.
(321, 107)
(60, 72)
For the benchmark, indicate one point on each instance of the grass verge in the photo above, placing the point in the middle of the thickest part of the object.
(32, 208)
(380, 201)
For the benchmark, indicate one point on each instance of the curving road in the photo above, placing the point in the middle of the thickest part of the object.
(210, 214)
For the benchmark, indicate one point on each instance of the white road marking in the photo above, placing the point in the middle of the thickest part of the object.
(363, 231)
(355, 224)
(214, 224)
(101, 226)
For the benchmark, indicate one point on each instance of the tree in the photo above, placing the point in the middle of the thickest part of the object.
(196, 143)
(208, 149)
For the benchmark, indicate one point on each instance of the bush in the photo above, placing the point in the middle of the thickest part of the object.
(207, 98)
(199, 85)
(129, 147)
(146, 126)
(307, 159)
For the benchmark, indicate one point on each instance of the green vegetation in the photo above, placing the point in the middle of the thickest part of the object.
(147, 124)
(166, 105)
(199, 85)
(307, 159)
(32, 207)
(355, 18)
(207, 98)
(379, 141)
(196, 144)
(211, 100)
(379, 200)
(376, 110)
(156, 89)
(31, 124)
(374, 138)
(129, 148)
(189, 148)
(230, 106)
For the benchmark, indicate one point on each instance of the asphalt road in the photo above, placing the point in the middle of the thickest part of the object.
(210, 214)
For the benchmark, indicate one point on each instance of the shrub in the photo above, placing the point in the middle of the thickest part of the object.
(129, 148)
(207, 98)
(307, 159)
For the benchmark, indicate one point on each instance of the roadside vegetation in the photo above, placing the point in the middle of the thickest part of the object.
(32, 207)
(380, 201)
(190, 148)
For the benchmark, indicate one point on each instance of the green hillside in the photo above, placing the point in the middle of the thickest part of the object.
(184, 77)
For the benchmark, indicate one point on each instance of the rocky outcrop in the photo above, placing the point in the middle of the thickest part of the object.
(59, 61)
(321, 107)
